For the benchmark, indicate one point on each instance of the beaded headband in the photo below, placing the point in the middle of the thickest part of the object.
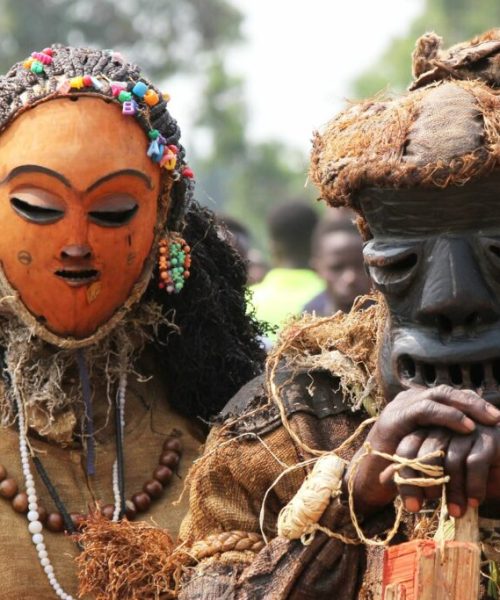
(136, 97)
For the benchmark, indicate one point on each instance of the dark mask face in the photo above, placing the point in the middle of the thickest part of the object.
(435, 256)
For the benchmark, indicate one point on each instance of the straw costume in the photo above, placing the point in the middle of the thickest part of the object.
(115, 289)
(305, 458)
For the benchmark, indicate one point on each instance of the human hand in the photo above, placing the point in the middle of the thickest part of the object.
(472, 461)
(426, 419)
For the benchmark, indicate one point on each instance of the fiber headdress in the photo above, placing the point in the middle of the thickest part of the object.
(444, 132)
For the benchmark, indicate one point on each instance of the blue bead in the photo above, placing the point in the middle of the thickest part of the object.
(139, 89)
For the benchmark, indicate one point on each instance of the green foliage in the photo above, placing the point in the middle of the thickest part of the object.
(240, 177)
(163, 36)
(454, 20)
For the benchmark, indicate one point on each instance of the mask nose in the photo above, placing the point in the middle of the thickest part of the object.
(76, 251)
(455, 294)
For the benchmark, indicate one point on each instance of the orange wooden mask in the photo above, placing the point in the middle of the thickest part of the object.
(78, 209)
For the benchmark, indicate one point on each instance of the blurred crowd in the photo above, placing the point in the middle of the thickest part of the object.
(315, 263)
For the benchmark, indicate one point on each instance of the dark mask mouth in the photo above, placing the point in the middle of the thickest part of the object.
(77, 274)
(480, 376)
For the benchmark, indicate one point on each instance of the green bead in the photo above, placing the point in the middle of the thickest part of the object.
(37, 67)
(124, 96)
(173, 261)
(153, 134)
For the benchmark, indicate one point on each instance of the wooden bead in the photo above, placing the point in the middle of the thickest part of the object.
(172, 443)
(20, 502)
(153, 488)
(55, 522)
(78, 519)
(8, 488)
(169, 459)
(42, 514)
(142, 501)
(3, 472)
(107, 511)
(130, 510)
(163, 474)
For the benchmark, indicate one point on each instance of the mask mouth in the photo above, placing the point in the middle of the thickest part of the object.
(481, 376)
(78, 277)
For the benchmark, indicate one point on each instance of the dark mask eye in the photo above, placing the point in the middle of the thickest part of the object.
(113, 218)
(34, 213)
(391, 267)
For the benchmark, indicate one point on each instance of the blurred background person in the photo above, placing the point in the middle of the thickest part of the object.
(291, 281)
(337, 257)
(258, 266)
(238, 235)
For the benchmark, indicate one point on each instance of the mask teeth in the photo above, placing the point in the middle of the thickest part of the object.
(476, 376)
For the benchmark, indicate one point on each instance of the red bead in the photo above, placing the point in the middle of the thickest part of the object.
(172, 443)
(107, 511)
(78, 519)
(163, 474)
(187, 172)
(3, 472)
(130, 510)
(169, 459)
(20, 503)
(87, 81)
(8, 488)
(142, 501)
(48, 51)
(42, 514)
(153, 488)
(55, 522)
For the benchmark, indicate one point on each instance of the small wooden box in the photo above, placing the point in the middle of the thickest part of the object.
(429, 570)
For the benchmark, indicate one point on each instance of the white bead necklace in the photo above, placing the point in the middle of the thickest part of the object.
(122, 389)
(35, 526)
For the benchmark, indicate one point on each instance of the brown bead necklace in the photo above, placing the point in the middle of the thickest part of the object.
(138, 503)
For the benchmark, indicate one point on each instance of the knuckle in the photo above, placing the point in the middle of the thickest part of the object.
(442, 390)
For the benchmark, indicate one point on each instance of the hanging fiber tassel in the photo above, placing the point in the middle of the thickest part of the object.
(89, 417)
(126, 560)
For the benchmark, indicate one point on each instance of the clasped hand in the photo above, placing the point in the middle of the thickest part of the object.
(420, 421)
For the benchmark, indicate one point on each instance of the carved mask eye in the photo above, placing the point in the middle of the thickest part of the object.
(114, 210)
(491, 248)
(391, 267)
(36, 205)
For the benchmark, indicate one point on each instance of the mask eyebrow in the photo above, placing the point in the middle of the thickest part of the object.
(133, 172)
(35, 169)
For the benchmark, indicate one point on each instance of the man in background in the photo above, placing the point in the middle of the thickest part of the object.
(337, 257)
(291, 282)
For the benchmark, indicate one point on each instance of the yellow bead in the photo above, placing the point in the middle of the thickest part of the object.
(170, 163)
(166, 96)
(76, 82)
(151, 98)
(27, 63)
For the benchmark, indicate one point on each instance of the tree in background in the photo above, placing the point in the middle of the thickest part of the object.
(454, 20)
(163, 36)
(241, 177)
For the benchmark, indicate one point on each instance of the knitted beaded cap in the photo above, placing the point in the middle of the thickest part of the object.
(66, 71)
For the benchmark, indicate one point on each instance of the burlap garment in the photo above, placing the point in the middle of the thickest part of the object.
(148, 421)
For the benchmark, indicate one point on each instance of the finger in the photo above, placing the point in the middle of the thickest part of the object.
(454, 466)
(479, 461)
(409, 447)
(429, 412)
(468, 402)
(437, 440)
